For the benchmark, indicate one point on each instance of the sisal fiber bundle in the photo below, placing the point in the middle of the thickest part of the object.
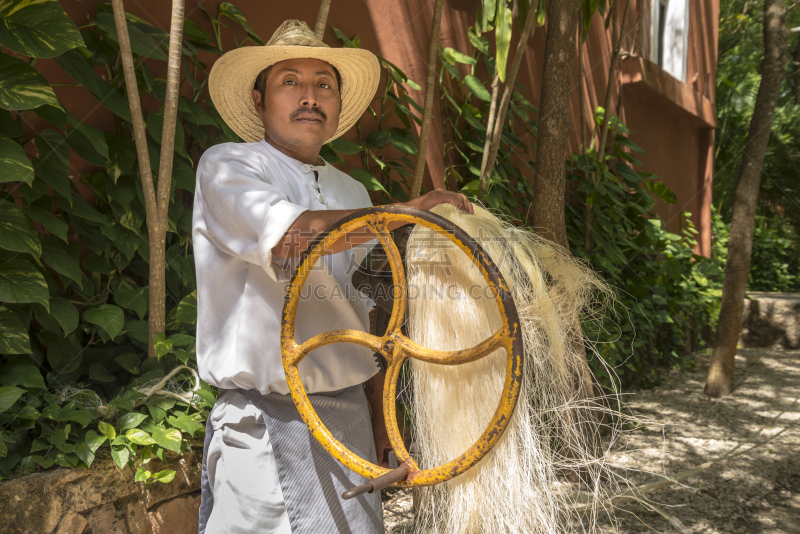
(519, 487)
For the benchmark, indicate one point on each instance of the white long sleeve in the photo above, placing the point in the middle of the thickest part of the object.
(247, 197)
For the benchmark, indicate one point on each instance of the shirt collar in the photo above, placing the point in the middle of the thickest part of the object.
(293, 163)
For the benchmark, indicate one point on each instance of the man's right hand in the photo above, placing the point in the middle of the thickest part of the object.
(441, 196)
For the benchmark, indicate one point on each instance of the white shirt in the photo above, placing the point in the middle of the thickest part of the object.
(247, 197)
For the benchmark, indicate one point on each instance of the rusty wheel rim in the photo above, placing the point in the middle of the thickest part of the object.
(396, 347)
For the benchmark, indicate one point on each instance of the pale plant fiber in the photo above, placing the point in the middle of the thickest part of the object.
(521, 485)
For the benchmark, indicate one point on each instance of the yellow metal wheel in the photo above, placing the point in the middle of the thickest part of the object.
(396, 347)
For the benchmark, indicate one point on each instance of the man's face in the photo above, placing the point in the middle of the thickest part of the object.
(301, 103)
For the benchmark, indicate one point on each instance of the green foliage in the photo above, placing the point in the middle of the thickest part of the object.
(665, 297)
(383, 150)
(74, 272)
(741, 51)
(775, 261)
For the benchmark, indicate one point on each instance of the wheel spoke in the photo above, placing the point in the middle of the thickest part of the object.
(414, 350)
(357, 337)
(390, 410)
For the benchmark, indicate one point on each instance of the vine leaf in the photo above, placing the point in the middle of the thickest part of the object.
(14, 164)
(20, 283)
(37, 28)
(21, 87)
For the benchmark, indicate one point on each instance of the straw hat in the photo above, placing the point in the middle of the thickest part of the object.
(231, 80)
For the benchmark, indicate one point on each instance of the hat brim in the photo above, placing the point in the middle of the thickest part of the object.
(230, 83)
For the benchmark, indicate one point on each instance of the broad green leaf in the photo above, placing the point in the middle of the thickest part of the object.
(131, 420)
(65, 313)
(192, 112)
(83, 146)
(129, 362)
(99, 373)
(20, 282)
(344, 147)
(22, 374)
(79, 68)
(402, 140)
(49, 222)
(63, 354)
(477, 88)
(17, 232)
(121, 455)
(192, 30)
(162, 346)
(141, 43)
(14, 164)
(164, 476)
(141, 475)
(83, 452)
(139, 436)
(81, 208)
(9, 395)
(227, 9)
(108, 317)
(155, 127)
(79, 416)
(187, 309)
(367, 180)
(107, 430)
(37, 28)
(13, 334)
(54, 115)
(62, 258)
(505, 21)
(95, 136)
(133, 299)
(454, 56)
(661, 190)
(185, 423)
(181, 340)
(169, 439)
(21, 86)
(93, 440)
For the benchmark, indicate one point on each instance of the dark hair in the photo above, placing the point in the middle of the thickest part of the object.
(260, 84)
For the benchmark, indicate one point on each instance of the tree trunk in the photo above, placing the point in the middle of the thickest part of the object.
(740, 245)
(549, 187)
(433, 56)
(322, 18)
(156, 202)
(796, 73)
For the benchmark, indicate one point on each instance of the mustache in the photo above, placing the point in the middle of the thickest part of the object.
(312, 111)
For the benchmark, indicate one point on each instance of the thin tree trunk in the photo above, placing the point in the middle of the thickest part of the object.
(145, 172)
(508, 90)
(612, 79)
(489, 129)
(158, 238)
(549, 186)
(740, 244)
(796, 73)
(427, 108)
(322, 18)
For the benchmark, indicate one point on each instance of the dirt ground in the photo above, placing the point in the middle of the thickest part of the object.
(756, 493)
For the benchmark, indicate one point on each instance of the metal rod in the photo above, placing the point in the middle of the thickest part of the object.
(379, 483)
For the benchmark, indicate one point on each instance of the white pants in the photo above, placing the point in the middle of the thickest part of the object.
(242, 471)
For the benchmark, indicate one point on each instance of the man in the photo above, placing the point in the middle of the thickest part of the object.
(258, 205)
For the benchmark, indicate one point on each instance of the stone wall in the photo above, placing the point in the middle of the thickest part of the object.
(103, 500)
(771, 320)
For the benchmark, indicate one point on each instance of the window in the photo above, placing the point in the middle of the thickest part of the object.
(670, 35)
